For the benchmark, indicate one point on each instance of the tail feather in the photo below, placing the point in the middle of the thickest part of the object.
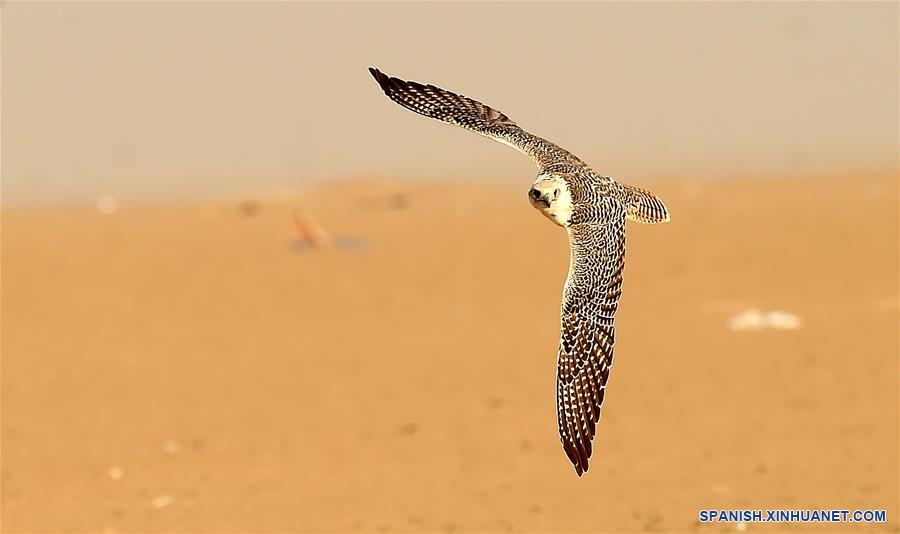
(643, 206)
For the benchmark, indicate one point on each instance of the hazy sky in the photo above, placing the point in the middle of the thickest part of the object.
(156, 100)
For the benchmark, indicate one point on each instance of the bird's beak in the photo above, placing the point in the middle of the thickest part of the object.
(537, 197)
(542, 200)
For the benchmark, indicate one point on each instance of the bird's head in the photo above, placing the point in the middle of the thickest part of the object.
(551, 195)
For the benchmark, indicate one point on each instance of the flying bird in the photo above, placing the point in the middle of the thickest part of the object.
(593, 210)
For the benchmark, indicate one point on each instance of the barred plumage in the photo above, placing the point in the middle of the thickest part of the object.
(593, 209)
(456, 109)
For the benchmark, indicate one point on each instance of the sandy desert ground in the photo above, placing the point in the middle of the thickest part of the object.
(183, 368)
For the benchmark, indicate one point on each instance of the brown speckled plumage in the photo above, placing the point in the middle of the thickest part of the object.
(593, 209)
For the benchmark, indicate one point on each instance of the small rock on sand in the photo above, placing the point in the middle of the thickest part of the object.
(162, 501)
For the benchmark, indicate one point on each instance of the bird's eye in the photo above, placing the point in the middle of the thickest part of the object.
(555, 193)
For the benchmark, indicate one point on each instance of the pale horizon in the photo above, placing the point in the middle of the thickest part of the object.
(165, 101)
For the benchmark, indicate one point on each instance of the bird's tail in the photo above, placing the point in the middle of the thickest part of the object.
(643, 206)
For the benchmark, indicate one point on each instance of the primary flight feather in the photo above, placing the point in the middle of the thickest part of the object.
(593, 210)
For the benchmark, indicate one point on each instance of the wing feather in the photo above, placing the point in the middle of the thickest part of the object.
(436, 103)
(587, 333)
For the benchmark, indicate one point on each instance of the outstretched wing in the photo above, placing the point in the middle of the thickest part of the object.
(456, 109)
(588, 336)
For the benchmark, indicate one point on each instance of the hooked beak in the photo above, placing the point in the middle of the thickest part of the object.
(538, 198)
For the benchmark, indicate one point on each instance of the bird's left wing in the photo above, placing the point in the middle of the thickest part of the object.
(587, 333)
(443, 105)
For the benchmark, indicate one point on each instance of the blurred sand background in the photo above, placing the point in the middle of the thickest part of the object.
(173, 360)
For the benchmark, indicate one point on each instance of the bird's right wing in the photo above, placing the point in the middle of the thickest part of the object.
(443, 105)
(587, 333)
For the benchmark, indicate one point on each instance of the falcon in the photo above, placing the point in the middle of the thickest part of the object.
(593, 210)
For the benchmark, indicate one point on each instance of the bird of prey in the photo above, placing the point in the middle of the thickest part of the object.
(593, 210)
